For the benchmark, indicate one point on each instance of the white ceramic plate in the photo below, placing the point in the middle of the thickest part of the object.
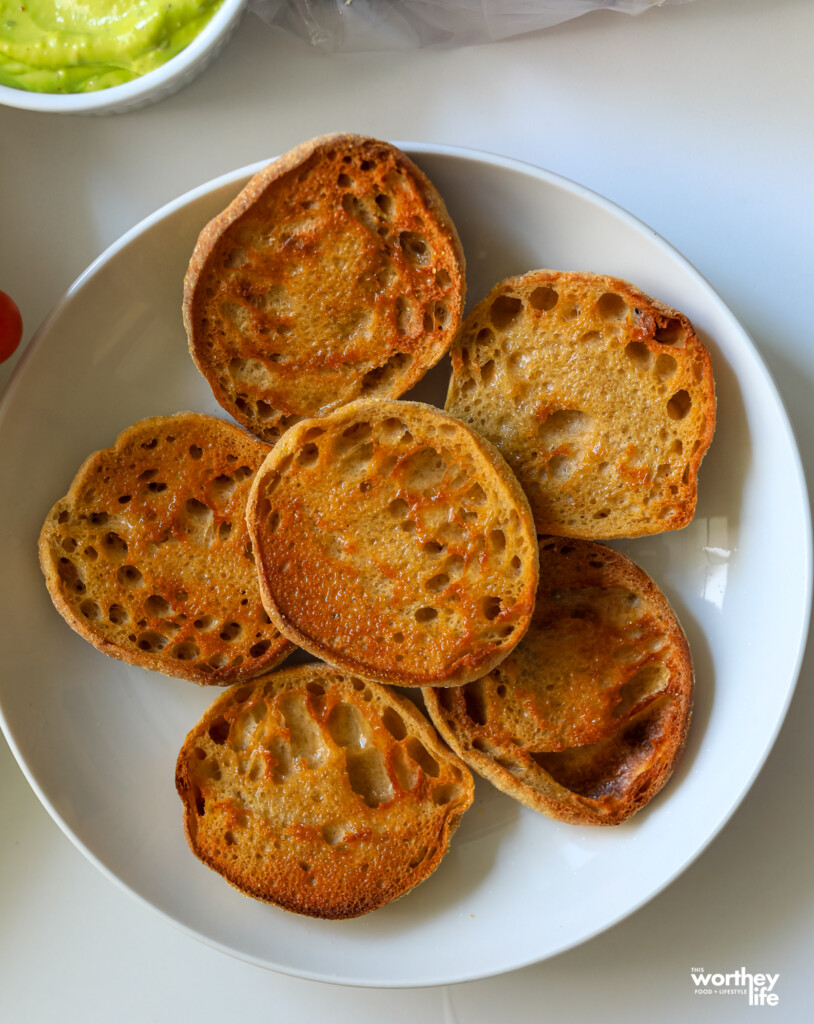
(98, 739)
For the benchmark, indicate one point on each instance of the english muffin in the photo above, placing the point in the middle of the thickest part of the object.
(337, 273)
(394, 543)
(600, 398)
(586, 718)
(319, 792)
(148, 556)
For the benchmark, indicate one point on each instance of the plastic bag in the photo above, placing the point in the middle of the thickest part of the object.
(412, 24)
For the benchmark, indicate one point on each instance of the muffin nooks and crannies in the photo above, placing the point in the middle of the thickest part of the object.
(600, 398)
(394, 543)
(148, 556)
(336, 274)
(319, 792)
(586, 718)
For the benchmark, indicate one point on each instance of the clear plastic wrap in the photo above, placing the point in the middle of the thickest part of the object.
(412, 24)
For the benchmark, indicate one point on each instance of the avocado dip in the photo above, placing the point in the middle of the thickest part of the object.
(85, 45)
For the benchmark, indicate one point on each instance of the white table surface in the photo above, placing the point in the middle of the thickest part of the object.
(699, 119)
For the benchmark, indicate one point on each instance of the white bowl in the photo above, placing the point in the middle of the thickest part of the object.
(155, 85)
(98, 739)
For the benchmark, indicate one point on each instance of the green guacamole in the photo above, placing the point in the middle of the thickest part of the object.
(84, 45)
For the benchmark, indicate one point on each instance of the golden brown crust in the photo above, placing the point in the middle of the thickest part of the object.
(611, 396)
(393, 542)
(337, 273)
(148, 556)
(587, 717)
(319, 792)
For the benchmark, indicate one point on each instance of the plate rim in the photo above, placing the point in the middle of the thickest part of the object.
(596, 199)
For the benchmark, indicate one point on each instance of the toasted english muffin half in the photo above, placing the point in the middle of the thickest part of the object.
(337, 273)
(600, 398)
(319, 792)
(148, 556)
(586, 718)
(393, 542)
